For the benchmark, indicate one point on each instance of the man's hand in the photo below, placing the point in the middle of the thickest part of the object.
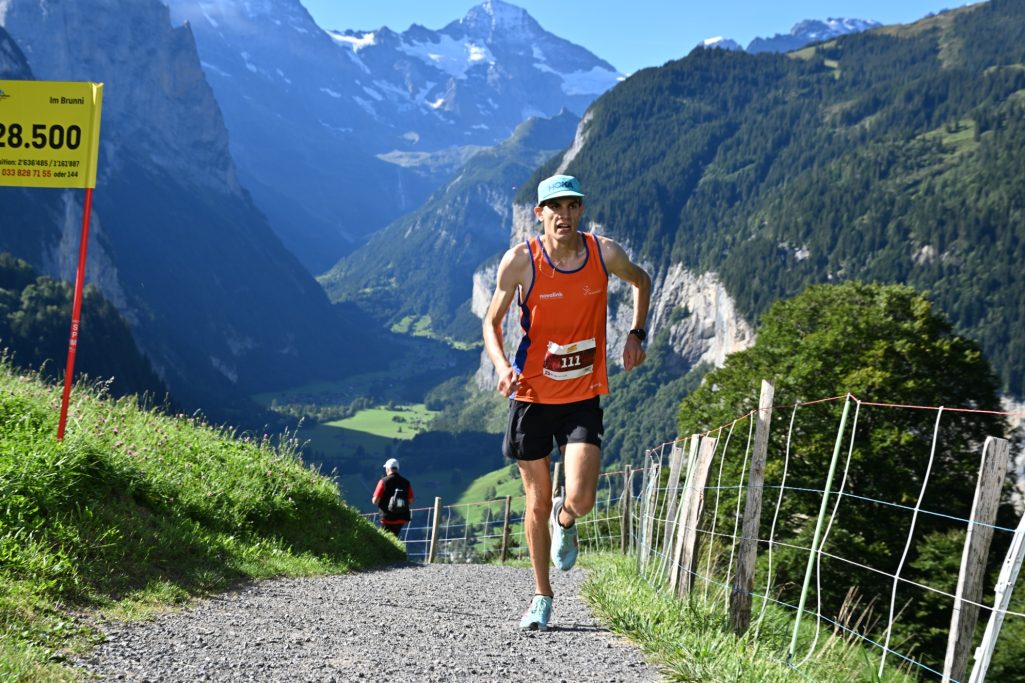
(633, 353)
(507, 382)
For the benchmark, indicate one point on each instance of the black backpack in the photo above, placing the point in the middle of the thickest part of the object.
(398, 503)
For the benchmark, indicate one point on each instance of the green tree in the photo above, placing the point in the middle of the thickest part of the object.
(884, 344)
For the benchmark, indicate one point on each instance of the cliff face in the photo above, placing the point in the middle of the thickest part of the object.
(340, 133)
(216, 302)
(158, 108)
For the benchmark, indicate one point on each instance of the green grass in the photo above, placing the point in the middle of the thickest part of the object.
(493, 485)
(691, 639)
(136, 512)
(959, 140)
(420, 326)
(345, 445)
(403, 422)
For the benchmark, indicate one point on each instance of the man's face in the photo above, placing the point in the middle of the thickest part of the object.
(560, 216)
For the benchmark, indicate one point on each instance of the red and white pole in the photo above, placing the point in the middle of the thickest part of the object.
(76, 313)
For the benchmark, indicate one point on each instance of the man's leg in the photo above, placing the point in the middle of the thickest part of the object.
(583, 465)
(537, 484)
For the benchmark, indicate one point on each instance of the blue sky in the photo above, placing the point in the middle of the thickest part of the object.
(631, 34)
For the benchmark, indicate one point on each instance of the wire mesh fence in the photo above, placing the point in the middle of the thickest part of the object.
(474, 531)
(889, 558)
(885, 526)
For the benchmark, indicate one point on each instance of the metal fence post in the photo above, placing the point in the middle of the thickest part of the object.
(1001, 598)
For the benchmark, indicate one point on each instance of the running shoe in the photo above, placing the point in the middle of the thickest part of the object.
(564, 541)
(540, 613)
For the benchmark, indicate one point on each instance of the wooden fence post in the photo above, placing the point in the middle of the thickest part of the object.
(505, 529)
(743, 582)
(691, 515)
(672, 493)
(1001, 599)
(639, 540)
(434, 530)
(466, 532)
(624, 520)
(672, 545)
(973, 559)
(651, 477)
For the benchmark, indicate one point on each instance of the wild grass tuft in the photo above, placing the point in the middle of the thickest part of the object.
(691, 640)
(136, 511)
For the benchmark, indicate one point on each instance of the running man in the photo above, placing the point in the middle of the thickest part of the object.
(560, 281)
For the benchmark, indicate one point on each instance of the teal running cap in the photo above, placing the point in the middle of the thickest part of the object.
(558, 186)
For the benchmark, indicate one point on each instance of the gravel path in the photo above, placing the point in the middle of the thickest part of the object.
(403, 624)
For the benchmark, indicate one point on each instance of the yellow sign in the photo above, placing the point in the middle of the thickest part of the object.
(49, 133)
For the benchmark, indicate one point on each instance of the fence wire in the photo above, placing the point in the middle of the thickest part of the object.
(685, 532)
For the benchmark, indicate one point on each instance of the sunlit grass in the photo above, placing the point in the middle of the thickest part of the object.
(691, 639)
(401, 422)
(136, 512)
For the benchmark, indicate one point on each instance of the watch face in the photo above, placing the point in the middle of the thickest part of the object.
(639, 333)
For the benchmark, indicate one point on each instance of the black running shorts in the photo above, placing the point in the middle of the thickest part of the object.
(534, 426)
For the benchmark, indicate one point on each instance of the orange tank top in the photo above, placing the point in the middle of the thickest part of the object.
(561, 358)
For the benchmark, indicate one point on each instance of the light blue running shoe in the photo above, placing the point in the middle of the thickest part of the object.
(540, 613)
(564, 541)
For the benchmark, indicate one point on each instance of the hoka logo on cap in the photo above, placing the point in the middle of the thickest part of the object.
(558, 186)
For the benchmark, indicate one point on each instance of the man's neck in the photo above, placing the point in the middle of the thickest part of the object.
(565, 250)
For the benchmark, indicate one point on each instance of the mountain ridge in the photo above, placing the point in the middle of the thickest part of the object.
(316, 117)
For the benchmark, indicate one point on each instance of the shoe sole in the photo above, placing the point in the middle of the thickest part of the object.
(534, 626)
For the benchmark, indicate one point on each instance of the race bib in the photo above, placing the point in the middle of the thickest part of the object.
(569, 361)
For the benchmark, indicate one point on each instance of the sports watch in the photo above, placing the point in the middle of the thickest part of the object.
(639, 333)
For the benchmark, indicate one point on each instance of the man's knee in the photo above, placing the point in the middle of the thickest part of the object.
(579, 503)
(541, 507)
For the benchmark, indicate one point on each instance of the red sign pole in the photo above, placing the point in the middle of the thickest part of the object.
(76, 313)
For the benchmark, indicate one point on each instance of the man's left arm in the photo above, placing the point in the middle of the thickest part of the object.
(620, 265)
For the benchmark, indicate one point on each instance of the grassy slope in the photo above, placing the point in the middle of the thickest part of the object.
(691, 639)
(136, 511)
(494, 485)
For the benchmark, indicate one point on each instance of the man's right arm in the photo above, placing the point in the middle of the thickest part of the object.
(509, 277)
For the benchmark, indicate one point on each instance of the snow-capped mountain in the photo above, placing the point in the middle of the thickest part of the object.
(810, 31)
(722, 43)
(338, 133)
(482, 75)
(803, 33)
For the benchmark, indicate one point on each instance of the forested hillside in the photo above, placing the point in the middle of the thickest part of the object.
(421, 266)
(896, 155)
(35, 325)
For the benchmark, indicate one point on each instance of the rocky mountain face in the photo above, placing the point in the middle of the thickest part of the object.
(12, 62)
(216, 302)
(475, 80)
(339, 133)
(43, 210)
